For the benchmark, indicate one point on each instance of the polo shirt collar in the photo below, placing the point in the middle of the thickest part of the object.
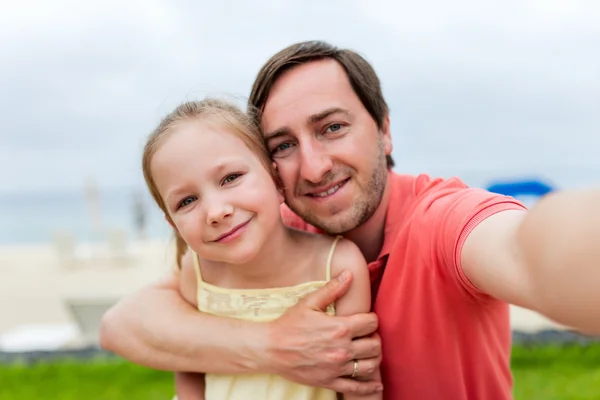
(393, 216)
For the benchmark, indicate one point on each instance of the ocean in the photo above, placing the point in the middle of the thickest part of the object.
(37, 216)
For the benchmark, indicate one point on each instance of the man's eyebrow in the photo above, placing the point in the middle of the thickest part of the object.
(313, 119)
(326, 113)
(276, 133)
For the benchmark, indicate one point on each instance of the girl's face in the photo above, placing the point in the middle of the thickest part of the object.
(219, 196)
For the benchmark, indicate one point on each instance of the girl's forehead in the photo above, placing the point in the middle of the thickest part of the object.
(204, 143)
(188, 155)
(203, 133)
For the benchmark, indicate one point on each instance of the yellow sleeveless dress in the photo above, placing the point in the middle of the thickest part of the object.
(257, 305)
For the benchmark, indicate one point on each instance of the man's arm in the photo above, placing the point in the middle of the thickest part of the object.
(155, 327)
(546, 259)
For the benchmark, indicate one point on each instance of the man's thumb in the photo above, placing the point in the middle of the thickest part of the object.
(330, 292)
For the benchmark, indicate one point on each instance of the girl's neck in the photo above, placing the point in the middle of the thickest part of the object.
(266, 269)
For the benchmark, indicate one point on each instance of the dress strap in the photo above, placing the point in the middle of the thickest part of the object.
(330, 256)
(197, 269)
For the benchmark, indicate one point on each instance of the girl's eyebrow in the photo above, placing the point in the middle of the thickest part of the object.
(176, 192)
(225, 164)
(219, 168)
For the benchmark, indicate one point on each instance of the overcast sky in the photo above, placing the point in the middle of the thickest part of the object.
(83, 83)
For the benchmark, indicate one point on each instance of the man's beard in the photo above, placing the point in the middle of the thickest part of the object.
(363, 207)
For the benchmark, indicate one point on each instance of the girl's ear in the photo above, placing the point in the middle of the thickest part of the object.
(171, 223)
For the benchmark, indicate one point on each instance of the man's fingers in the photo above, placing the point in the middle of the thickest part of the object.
(351, 386)
(367, 347)
(364, 368)
(362, 324)
(330, 292)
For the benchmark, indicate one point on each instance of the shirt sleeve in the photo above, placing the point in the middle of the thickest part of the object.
(450, 212)
(292, 220)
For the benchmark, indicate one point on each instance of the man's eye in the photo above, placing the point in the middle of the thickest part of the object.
(334, 127)
(283, 146)
(230, 178)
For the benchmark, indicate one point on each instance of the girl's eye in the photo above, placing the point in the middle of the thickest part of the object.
(187, 201)
(230, 178)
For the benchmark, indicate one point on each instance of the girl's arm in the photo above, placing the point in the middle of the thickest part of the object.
(189, 386)
(347, 256)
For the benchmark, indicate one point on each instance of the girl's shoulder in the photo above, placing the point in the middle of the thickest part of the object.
(333, 253)
(316, 244)
(345, 255)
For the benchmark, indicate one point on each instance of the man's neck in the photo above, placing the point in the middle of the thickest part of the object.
(370, 235)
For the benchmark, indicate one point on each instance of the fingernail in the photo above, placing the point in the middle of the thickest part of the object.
(343, 277)
(380, 388)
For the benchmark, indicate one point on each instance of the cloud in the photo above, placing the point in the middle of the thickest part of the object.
(469, 84)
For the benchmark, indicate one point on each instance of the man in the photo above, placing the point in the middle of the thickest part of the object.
(445, 259)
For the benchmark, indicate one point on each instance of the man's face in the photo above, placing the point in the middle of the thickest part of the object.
(329, 152)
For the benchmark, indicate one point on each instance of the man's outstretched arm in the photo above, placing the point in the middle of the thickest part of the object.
(155, 327)
(546, 259)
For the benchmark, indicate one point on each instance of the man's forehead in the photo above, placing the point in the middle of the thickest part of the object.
(316, 77)
(305, 91)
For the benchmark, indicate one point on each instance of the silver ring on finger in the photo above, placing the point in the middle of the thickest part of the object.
(355, 371)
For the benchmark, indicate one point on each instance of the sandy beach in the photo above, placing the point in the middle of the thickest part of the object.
(37, 286)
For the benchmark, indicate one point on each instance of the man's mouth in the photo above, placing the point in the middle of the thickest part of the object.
(329, 191)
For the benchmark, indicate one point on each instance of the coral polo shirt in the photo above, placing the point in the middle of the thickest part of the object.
(442, 338)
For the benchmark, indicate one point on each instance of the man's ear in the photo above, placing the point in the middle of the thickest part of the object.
(387, 136)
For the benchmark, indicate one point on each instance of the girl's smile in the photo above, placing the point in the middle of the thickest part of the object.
(233, 233)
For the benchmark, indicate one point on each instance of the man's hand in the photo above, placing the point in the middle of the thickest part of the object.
(310, 347)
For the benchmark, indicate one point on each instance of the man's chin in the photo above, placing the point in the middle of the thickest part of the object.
(333, 225)
(336, 224)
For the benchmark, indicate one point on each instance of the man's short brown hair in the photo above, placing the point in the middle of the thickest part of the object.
(361, 74)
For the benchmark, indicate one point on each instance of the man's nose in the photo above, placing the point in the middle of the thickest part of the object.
(314, 163)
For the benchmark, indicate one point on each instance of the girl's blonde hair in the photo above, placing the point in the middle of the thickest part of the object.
(238, 122)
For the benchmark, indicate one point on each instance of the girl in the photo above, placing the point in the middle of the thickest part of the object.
(208, 170)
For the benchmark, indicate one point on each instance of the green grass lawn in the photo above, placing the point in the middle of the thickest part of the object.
(557, 372)
(549, 372)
